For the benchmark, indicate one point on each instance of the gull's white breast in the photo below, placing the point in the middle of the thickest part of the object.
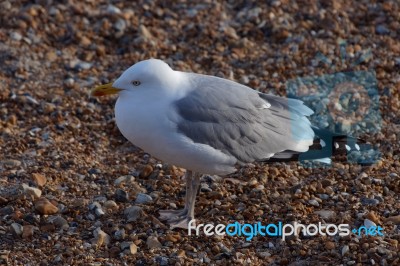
(149, 120)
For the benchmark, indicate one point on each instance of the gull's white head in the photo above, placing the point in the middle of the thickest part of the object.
(149, 74)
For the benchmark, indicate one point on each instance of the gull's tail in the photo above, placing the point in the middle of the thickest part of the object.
(328, 145)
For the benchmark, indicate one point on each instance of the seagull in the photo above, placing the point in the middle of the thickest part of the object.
(210, 125)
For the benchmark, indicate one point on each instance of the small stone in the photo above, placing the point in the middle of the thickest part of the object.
(45, 207)
(3, 201)
(368, 223)
(113, 10)
(146, 171)
(99, 212)
(6, 210)
(326, 214)
(373, 217)
(124, 179)
(39, 179)
(129, 248)
(330, 245)
(101, 238)
(382, 29)
(313, 202)
(121, 195)
(142, 198)
(152, 242)
(110, 205)
(180, 253)
(120, 234)
(120, 25)
(16, 229)
(133, 213)
(326, 182)
(345, 249)
(59, 222)
(171, 238)
(15, 36)
(69, 82)
(393, 219)
(27, 231)
(162, 261)
(79, 65)
(368, 201)
(4, 256)
(12, 120)
(264, 254)
(35, 193)
(113, 252)
(144, 32)
(11, 163)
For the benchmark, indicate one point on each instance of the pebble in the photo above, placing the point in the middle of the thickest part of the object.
(330, 245)
(368, 223)
(35, 193)
(79, 65)
(124, 179)
(393, 219)
(3, 201)
(152, 242)
(28, 231)
(133, 213)
(101, 238)
(142, 198)
(162, 261)
(326, 214)
(110, 205)
(113, 10)
(345, 249)
(368, 201)
(129, 248)
(382, 29)
(6, 210)
(120, 234)
(11, 163)
(69, 82)
(4, 256)
(45, 207)
(59, 222)
(146, 171)
(15, 36)
(113, 252)
(313, 202)
(264, 254)
(99, 212)
(39, 179)
(145, 33)
(16, 229)
(121, 195)
(373, 217)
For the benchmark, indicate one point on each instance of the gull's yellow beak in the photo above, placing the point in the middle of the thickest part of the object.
(105, 89)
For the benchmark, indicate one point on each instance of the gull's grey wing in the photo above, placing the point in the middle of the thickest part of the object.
(242, 122)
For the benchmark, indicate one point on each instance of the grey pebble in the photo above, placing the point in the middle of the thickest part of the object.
(120, 234)
(367, 201)
(382, 29)
(162, 260)
(133, 213)
(313, 202)
(121, 195)
(16, 229)
(142, 198)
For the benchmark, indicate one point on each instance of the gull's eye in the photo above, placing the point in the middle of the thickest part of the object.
(136, 83)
